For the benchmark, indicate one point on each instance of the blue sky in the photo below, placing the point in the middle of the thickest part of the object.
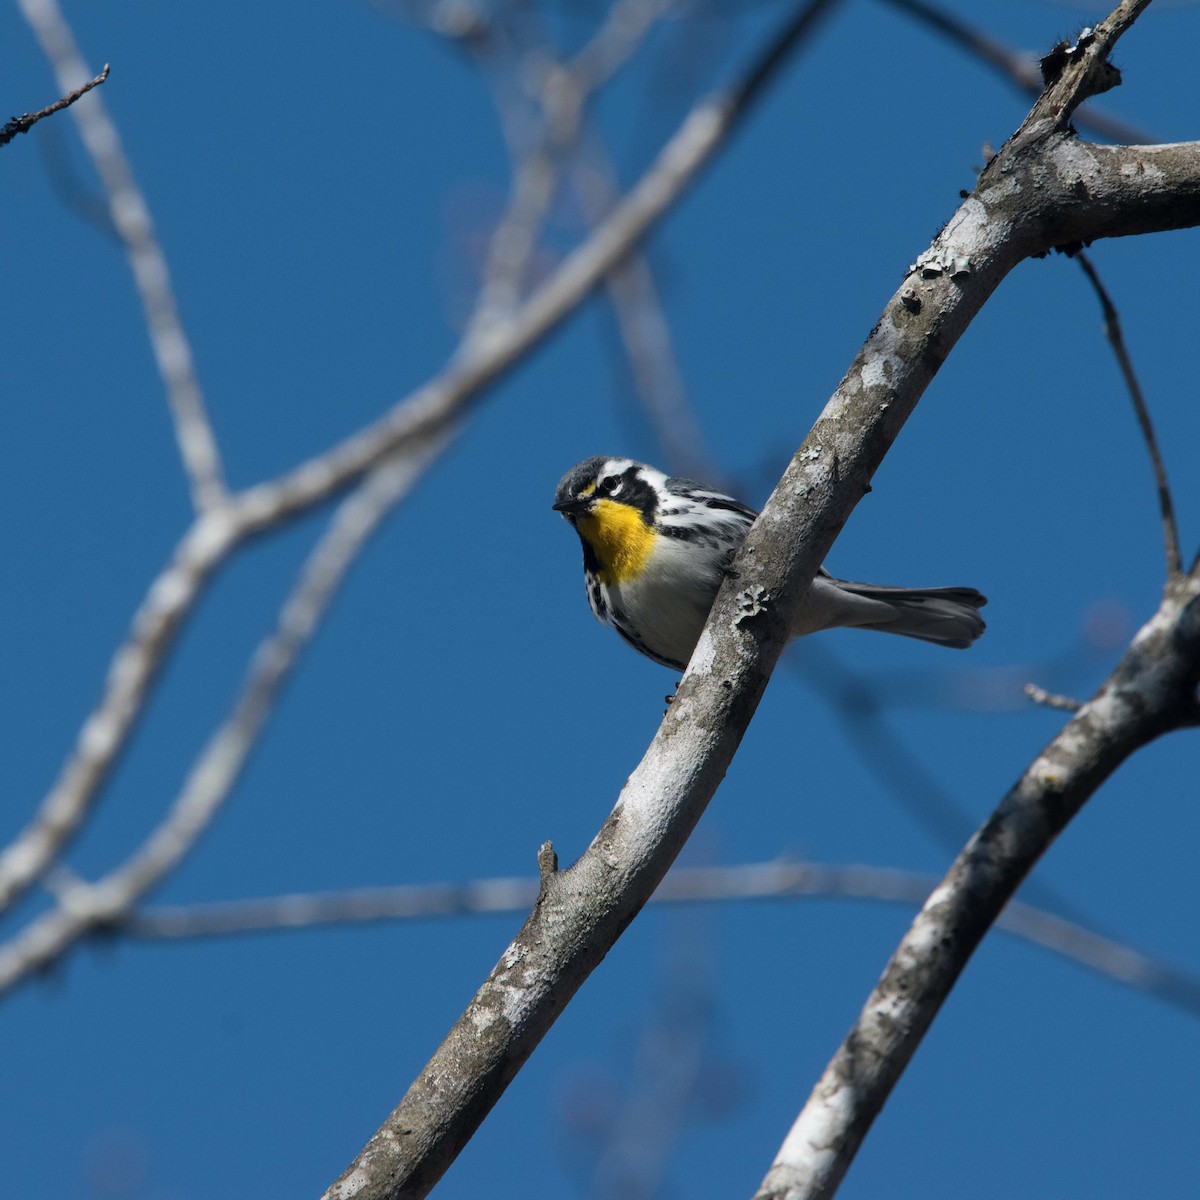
(322, 186)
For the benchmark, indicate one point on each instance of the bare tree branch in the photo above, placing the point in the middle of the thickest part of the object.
(444, 398)
(1026, 201)
(857, 703)
(564, 93)
(1074, 74)
(1021, 69)
(563, 98)
(645, 335)
(105, 732)
(1116, 339)
(1150, 692)
(132, 222)
(425, 414)
(1142, 699)
(83, 907)
(26, 121)
(781, 879)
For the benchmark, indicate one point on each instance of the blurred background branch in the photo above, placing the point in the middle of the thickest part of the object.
(781, 879)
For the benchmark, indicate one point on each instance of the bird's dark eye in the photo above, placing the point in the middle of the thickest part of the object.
(606, 487)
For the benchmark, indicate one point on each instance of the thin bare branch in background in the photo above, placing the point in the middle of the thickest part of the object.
(645, 336)
(1020, 68)
(106, 730)
(671, 1074)
(782, 879)
(1116, 339)
(563, 95)
(83, 907)
(646, 341)
(560, 943)
(132, 222)
(858, 703)
(563, 92)
(422, 416)
(26, 121)
(703, 130)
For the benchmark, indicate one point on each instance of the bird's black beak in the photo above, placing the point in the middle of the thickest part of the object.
(572, 508)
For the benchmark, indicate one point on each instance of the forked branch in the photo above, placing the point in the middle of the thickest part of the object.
(1026, 202)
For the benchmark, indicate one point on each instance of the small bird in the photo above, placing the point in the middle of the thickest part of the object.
(655, 550)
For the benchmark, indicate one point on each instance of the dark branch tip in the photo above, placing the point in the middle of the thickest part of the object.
(1054, 62)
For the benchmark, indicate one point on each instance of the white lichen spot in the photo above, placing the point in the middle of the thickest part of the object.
(482, 1018)
(811, 454)
(702, 657)
(751, 602)
(349, 1187)
(819, 1127)
(1142, 168)
(1074, 163)
(879, 371)
(939, 260)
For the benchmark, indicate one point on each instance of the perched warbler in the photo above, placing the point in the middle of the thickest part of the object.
(655, 550)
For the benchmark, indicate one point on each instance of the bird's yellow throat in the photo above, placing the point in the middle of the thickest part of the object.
(621, 539)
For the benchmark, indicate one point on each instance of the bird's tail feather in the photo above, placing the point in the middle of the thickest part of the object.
(948, 616)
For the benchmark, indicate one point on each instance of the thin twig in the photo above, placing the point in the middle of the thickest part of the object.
(1112, 330)
(1019, 68)
(84, 907)
(683, 885)
(132, 222)
(564, 91)
(25, 122)
(1051, 699)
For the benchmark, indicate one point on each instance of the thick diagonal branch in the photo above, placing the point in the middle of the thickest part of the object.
(1045, 188)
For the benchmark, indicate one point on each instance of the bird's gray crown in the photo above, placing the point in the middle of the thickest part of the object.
(580, 475)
